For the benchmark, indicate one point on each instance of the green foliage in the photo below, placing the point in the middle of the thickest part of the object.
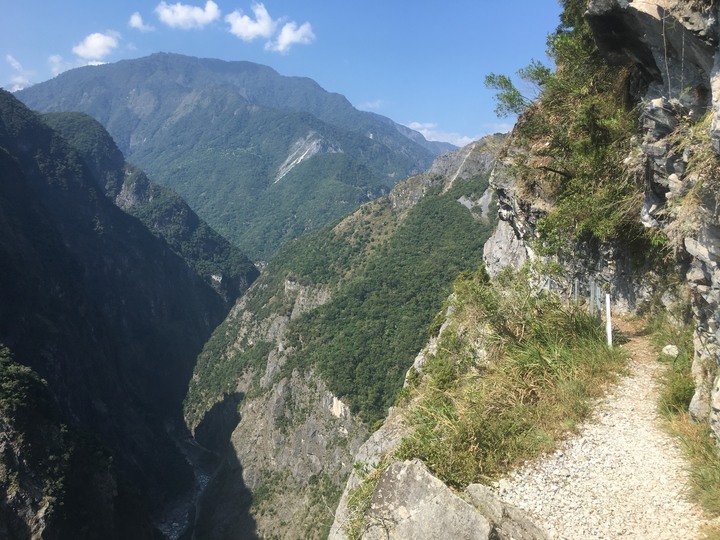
(700, 448)
(581, 129)
(509, 100)
(514, 371)
(365, 338)
(676, 385)
(696, 438)
(160, 209)
(21, 389)
(387, 274)
(218, 133)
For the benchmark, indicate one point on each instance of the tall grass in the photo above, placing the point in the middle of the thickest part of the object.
(696, 438)
(513, 373)
(676, 384)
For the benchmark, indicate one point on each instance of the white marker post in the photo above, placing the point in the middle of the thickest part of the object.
(608, 321)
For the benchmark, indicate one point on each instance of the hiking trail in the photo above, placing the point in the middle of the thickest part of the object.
(621, 476)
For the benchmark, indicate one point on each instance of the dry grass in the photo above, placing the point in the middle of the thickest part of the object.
(484, 411)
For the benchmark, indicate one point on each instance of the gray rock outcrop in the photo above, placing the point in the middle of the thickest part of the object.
(672, 47)
(409, 502)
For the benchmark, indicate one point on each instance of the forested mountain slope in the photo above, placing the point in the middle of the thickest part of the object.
(112, 319)
(317, 349)
(261, 157)
(161, 210)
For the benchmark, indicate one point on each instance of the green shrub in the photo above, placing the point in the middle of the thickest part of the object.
(676, 385)
(580, 130)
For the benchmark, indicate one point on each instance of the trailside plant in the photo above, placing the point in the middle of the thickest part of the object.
(696, 438)
(514, 371)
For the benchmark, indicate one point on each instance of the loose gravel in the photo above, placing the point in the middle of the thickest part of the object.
(622, 476)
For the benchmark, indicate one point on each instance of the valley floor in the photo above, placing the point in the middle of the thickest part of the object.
(622, 476)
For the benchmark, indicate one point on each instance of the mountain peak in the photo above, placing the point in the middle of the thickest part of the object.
(221, 133)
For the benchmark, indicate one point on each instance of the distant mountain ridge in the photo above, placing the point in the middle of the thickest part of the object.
(222, 134)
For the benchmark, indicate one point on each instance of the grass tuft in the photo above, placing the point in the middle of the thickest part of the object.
(696, 438)
(487, 409)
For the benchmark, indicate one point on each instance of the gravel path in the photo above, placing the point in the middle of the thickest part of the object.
(621, 477)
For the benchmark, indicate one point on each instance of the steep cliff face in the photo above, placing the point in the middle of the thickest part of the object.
(670, 51)
(89, 301)
(224, 267)
(310, 355)
(54, 481)
(290, 439)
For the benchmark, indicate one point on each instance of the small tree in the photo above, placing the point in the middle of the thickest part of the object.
(510, 101)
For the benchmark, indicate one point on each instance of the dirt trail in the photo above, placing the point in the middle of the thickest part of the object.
(622, 476)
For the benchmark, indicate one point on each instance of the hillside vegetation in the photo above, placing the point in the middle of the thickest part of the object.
(261, 157)
(387, 272)
(515, 370)
(161, 210)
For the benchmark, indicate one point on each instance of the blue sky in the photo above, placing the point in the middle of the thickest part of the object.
(421, 63)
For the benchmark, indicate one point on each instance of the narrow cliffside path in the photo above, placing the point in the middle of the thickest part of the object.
(622, 476)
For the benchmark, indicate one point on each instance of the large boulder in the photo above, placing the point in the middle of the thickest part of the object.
(409, 502)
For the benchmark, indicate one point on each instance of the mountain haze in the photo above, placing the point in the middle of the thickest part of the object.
(261, 157)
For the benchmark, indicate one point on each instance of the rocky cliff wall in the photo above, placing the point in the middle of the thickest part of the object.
(671, 47)
(291, 441)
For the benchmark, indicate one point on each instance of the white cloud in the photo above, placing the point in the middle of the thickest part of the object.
(247, 29)
(21, 78)
(371, 105)
(96, 46)
(18, 82)
(136, 22)
(186, 16)
(17, 66)
(57, 64)
(431, 132)
(290, 35)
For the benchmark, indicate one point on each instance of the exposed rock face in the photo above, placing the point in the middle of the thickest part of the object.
(677, 44)
(380, 444)
(673, 46)
(305, 148)
(409, 502)
(462, 164)
(504, 249)
(510, 522)
(672, 42)
(291, 442)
